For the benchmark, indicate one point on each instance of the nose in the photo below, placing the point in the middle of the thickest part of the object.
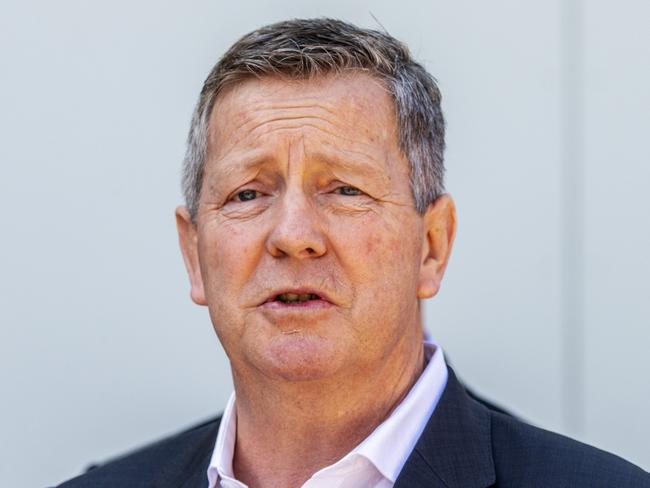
(298, 229)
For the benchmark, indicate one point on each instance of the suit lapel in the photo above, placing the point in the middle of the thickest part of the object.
(188, 469)
(455, 448)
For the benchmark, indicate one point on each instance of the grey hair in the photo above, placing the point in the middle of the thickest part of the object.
(305, 48)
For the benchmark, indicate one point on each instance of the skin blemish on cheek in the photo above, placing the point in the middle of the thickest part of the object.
(232, 230)
(372, 243)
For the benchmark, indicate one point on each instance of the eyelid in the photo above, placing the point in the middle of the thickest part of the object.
(235, 194)
(361, 192)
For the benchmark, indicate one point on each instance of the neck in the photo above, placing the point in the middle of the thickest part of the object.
(286, 431)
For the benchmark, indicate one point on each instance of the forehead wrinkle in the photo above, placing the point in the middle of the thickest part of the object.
(307, 102)
(251, 142)
(257, 109)
(243, 157)
(264, 100)
(268, 116)
(296, 153)
(266, 89)
(250, 127)
(296, 122)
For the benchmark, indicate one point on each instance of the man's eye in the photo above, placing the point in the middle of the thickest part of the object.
(246, 195)
(348, 190)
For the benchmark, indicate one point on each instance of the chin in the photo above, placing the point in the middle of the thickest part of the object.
(296, 357)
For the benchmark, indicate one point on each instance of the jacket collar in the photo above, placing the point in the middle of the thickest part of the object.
(455, 448)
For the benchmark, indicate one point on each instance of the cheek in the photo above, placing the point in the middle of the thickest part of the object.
(384, 253)
(387, 242)
(391, 259)
(228, 255)
(375, 242)
(374, 251)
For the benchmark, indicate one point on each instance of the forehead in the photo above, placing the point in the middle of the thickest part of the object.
(349, 111)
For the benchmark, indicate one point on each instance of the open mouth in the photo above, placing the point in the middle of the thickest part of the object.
(292, 298)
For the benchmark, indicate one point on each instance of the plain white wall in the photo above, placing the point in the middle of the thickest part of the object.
(101, 349)
(617, 227)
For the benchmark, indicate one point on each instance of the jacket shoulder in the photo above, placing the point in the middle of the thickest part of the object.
(174, 455)
(529, 456)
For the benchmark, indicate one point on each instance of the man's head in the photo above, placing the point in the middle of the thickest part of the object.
(314, 220)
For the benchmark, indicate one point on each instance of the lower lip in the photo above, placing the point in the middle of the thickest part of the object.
(305, 306)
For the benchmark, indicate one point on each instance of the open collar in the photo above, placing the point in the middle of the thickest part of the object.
(454, 450)
(386, 449)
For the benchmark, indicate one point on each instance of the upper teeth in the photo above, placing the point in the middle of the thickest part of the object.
(295, 297)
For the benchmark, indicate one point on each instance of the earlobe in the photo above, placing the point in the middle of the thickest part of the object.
(187, 238)
(439, 235)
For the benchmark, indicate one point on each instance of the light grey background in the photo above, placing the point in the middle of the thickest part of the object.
(545, 308)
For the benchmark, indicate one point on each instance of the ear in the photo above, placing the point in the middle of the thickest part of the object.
(188, 239)
(439, 234)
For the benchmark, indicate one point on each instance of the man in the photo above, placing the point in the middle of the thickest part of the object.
(315, 222)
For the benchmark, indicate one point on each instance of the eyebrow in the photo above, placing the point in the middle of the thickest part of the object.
(243, 161)
(356, 161)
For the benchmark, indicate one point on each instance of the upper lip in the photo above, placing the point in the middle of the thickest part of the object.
(298, 291)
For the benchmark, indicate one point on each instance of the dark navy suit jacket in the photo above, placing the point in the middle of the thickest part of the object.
(465, 444)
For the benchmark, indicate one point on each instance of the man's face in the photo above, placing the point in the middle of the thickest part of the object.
(308, 250)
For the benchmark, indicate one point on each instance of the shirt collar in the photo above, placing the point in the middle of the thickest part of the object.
(224, 449)
(387, 447)
(392, 442)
